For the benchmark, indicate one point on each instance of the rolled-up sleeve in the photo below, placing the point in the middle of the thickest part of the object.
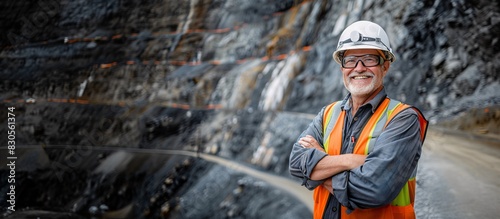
(387, 168)
(303, 160)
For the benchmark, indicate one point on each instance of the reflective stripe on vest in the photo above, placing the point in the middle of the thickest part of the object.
(333, 121)
(331, 111)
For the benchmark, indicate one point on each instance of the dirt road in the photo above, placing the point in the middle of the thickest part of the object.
(292, 187)
(458, 176)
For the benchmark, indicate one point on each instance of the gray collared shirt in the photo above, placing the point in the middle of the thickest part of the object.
(386, 170)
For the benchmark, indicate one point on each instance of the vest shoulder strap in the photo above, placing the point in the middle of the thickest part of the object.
(330, 117)
(421, 119)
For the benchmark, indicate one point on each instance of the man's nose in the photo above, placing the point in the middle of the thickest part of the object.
(359, 66)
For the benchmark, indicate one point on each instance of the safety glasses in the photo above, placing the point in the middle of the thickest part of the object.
(368, 60)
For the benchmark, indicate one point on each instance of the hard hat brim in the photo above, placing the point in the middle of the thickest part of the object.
(336, 54)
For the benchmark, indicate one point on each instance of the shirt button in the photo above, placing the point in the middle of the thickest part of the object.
(334, 209)
(355, 118)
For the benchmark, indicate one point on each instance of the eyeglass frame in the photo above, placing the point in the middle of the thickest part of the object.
(381, 60)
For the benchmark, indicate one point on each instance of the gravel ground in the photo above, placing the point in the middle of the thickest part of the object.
(458, 176)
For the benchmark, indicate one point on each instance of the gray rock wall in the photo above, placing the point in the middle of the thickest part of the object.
(154, 50)
(231, 78)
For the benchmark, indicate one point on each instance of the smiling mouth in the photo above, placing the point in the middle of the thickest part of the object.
(358, 77)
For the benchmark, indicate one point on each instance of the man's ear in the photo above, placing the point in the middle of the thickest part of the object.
(386, 66)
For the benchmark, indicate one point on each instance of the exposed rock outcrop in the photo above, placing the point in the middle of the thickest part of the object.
(235, 78)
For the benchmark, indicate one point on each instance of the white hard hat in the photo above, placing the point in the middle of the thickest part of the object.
(363, 35)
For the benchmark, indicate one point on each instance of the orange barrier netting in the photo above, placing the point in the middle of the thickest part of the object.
(70, 40)
(179, 62)
(212, 62)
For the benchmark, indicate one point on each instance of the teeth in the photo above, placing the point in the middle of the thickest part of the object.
(360, 77)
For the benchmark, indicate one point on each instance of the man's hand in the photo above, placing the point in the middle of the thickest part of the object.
(310, 142)
(332, 164)
(328, 185)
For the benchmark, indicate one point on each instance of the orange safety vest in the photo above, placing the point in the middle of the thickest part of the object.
(333, 121)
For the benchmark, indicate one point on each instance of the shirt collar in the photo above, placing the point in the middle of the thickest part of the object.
(373, 103)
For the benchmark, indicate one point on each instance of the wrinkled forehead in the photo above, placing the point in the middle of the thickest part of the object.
(358, 52)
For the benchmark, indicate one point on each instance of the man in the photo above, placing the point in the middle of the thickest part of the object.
(360, 154)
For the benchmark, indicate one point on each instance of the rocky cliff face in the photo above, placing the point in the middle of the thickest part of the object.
(271, 56)
(230, 78)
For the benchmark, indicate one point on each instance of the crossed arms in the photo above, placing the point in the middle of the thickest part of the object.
(373, 180)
